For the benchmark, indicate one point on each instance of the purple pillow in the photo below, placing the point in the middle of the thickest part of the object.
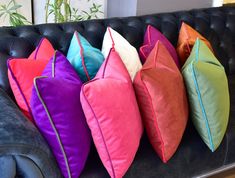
(152, 35)
(59, 116)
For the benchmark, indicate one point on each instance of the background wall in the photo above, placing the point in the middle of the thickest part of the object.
(39, 8)
(25, 10)
(120, 8)
(153, 6)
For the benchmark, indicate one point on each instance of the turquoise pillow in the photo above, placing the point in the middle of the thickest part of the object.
(85, 59)
(208, 94)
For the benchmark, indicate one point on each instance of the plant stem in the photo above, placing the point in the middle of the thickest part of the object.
(65, 11)
(47, 5)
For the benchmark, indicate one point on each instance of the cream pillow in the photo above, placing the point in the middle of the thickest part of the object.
(126, 51)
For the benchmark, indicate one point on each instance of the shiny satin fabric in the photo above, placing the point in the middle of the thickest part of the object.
(112, 115)
(152, 35)
(187, 38)
(58, 115)
(208, 93)
(162, 100)
(21, 73)
(85, 59)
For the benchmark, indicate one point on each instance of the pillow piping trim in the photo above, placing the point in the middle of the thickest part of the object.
(199, 96)
(106, 147)
(142, 52)
(187, 39)
(82, 56)
(38, 47)
(52, 125)
(18, 86)
(157, 128)
(202, 107)
(149, 34)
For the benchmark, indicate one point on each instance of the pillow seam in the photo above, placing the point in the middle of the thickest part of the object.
(202, 107)
(38, 47)
(82, 56)
(106, 148)
(18, 86)
(53, 126)
(157, 128)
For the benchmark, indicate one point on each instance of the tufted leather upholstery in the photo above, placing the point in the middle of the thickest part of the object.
(216, 24)
(193, 157)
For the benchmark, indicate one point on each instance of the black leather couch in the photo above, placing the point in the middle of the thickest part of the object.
(25, 154)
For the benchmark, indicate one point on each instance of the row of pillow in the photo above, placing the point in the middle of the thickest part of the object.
(55, 101)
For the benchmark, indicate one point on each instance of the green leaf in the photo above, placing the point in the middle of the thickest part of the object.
(2, 14)
(19, 16)
(15, 7)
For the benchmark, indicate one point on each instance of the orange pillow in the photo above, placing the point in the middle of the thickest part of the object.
(162, 100)
(21, 73)
(186, 40)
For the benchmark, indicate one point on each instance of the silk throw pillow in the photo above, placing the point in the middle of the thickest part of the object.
(21, 73)
(58, 114)
(208, 93)
(161, 96)
(126, 51)
(186, 40)
(152, 35)
(112, 115)
(85, 59)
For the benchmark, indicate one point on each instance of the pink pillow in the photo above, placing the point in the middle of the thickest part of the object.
(113, 116)
(162, 100)
(152, 35)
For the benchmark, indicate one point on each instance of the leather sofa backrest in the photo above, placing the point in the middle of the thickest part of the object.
(216, 24)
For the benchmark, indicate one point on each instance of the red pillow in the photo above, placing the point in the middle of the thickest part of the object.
(44, 50)
(21, 73)
(162, 100)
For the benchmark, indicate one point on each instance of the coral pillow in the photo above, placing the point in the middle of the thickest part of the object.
(208, 92)
(44, 50)
(161, 96)
(84, 58)
(152, 35)
(128, 53)
(113, 117)
(58, 114)
(186, 40)
(21, 73)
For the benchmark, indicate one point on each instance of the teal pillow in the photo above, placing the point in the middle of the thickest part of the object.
(208, 93)
(85, 59)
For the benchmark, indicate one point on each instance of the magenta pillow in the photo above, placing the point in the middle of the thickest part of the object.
(113, 116)
(57, 112)
(152, 35)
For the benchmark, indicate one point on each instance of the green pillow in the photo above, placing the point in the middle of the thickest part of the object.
(208, 93)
